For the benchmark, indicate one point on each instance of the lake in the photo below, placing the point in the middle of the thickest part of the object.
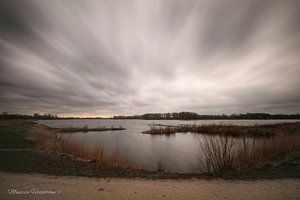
(178, 152)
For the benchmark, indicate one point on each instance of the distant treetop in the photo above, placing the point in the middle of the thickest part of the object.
(196, 116)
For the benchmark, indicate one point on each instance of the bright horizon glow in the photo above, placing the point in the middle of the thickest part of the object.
(85, 115)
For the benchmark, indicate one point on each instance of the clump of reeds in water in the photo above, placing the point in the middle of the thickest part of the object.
(87, 129)
(224, 153)
(160, 130)
(160, 167)
(80, 151)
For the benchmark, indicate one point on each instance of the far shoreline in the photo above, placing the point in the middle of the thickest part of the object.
(184, 116)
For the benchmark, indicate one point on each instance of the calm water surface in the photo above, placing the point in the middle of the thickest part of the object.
(179, 152)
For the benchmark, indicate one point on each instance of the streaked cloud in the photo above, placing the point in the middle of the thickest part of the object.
(131, 57)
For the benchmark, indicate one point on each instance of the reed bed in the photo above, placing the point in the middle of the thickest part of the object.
(87, 129)
(264, 151)
(161, 130)
(229, 130)
(223, 153)
(80, 151)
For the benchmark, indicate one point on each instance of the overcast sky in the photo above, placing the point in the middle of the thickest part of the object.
(102, 58)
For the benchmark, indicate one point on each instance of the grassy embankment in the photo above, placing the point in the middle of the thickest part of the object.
(12, 136)
(27, 158)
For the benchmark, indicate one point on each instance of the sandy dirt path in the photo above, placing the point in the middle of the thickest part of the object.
(73, 188)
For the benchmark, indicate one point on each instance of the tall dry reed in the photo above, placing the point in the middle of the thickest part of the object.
(80, 151)
(160, 167)
(219, 154)
(262, 151)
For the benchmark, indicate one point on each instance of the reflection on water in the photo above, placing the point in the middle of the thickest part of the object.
(178, 152)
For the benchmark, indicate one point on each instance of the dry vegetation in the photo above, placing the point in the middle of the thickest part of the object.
(229, 130)
(160, 130)
(223, 153)
(216, 154)
(86, 129)
(160, 167)
(225, 148)
(80, 151)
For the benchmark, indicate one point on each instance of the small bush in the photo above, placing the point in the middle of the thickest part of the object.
(217, 153)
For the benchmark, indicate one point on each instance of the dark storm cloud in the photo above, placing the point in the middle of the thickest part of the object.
(12, 22)
(127, 57)
(230, 25)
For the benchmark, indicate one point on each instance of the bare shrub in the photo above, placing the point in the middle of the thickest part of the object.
(218, 153)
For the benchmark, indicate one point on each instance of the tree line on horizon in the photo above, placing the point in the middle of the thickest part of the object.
(6, 115)
(196, 116)
(163, 116)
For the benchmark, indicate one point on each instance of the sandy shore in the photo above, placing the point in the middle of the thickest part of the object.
(73, 188)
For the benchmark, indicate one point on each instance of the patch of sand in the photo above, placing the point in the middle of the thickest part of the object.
(81, 188)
